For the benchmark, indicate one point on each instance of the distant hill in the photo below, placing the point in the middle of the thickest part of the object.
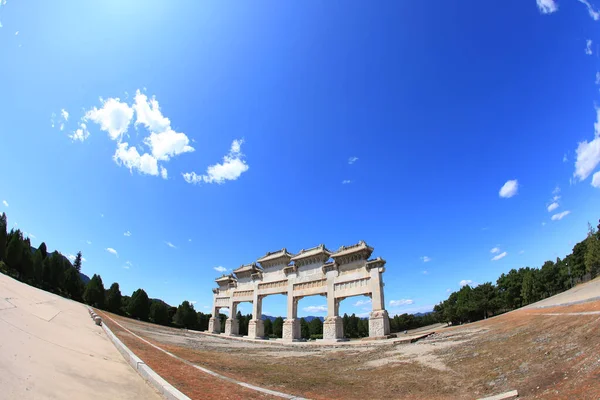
(422, 314)
(84, 278)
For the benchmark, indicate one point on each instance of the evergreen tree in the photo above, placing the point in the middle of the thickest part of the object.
(186, 316)
(73, 285)
(26, 261)
(304, 330)
(43, 250)
(592, 254)
(3, 236)
(268, 327)
(363, 327)
(159, 312)
(77, 263)
(14, 251)
(37, 268)
(315, 326)
(113, 297)
(278, 327)
(94, 292)
(139, 305)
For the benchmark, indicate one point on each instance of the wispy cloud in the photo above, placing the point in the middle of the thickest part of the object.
(352, 160)
(547, 6)
(596, 180)
(360, 303)
(499, 256)
(425, 272)
(315, 309)
(593, 13)
(171, 245)
(401, 302)
(588, 47)
(559, 216)
(127, 265)
(88, 241)
(64, 114)
(232, 167)
(522, 251)
(553, 207)
(220, 269)
(425, 259)
(495, 250)
(127, 233)
(5, 203)
(465, 282)
(346, 181)
(509, 189)
(112, 251)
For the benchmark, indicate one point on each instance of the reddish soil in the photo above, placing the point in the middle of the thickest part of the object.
(541, 356)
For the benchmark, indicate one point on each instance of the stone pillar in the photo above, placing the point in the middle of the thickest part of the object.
(333, 327)
(256, 326)
(232, 325)
(291, 325)
(214, 323)
(379, 321)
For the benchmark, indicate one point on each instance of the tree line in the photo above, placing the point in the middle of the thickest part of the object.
(55, 273)
(523, 286)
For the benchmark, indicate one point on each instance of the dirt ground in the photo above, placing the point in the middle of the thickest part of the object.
(549, 353)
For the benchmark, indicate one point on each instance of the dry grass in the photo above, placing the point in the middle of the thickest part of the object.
(541, 356)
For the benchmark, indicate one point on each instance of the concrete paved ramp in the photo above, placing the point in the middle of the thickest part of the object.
(51, 349)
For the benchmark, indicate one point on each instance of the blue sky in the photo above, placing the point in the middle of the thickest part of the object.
(439, 132)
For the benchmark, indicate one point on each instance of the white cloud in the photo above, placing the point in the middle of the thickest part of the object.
(425, 272)
(127, 265)
(130, 158)
(352, 160)
(565, 159)
(230, 169)
(499, 256)
(556, 198)
(114, 117)
(559, 216)
(315, 309)
(31, 235)
(5, 203)
(189, 240)
(88, 241)
(593, 13)
(163, 141)
(128, 234)
(543, 224)
(425, 259)
(588, 47)
(597, 78)
(547, 6)
(552, 206)
(193, 302)
(171, 245)
(17, 33)
(556, 190)
(596, 180)
(362, 303)
(346, 181)
(53, 116)
(495, 250)
(165, 145)
(112, 251)
(65, 114)
(81, 133)
(509, 189)
(401, 302)
(588, 157)
(465, 282)
(163, 173)
(71, 257)
(220, 269)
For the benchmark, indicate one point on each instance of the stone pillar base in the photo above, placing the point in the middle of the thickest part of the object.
(232, 327)
(379, 324)
(256, 329)
(291, 330)
(333, 329)
(214, 325)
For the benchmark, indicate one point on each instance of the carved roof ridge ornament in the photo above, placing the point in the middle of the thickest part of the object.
(273, 257)
(319, 250)
(355, 252)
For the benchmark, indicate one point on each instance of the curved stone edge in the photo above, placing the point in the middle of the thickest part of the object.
(147, 373)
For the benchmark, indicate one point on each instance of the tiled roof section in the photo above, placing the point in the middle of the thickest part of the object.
(345, 250)
(376, 262)
(247, 268)
(225, 278)
(283, 253)
(320, 249)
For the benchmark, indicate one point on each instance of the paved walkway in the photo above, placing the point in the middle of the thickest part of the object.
(579, 294)
(51, 349)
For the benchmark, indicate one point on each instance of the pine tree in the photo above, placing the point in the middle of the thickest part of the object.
(3, 237)
(304, 330)
(113, 297)
(38, 268)
(159, 312)
(77, 263)
(186, 316)
(73, 285)
(139, 305)
(94, 292)
(278, 327)
(14, 251)
(268, 325)
(43, 250)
